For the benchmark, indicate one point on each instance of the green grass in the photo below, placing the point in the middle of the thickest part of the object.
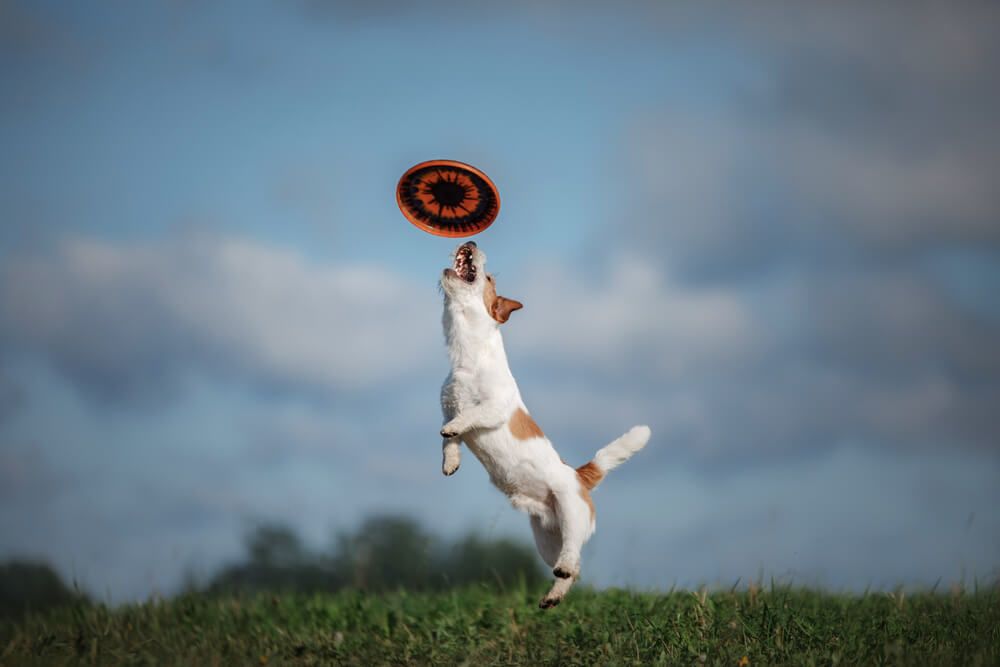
(481, 627)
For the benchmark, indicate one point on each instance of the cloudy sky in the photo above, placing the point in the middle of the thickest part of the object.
(771, 234)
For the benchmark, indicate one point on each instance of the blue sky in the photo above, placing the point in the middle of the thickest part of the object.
(772, 234)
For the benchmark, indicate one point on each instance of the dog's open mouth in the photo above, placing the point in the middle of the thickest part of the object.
(464, 267)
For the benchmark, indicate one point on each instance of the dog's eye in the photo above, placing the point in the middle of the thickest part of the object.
(489, 278)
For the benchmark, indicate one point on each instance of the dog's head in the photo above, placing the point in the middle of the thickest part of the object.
(467, 285)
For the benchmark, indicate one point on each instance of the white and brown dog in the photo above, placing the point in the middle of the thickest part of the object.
(482, 407)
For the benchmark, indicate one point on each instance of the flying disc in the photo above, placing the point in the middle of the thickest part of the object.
(448, 198)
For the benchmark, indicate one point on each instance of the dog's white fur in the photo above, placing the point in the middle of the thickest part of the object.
(483, 408)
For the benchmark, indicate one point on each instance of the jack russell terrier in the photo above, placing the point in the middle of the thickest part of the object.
(483, 408)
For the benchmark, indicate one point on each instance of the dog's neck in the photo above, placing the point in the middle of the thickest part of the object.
(472, 341)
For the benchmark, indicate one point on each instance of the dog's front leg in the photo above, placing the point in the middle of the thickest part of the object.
(452, 450)
(485, 415)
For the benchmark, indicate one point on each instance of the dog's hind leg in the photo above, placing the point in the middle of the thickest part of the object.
(560, 546)
(548, 540)
(575, 526)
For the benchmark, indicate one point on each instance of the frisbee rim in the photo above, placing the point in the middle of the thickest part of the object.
(437, 231)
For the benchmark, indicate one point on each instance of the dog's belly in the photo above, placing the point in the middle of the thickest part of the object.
(516, 467)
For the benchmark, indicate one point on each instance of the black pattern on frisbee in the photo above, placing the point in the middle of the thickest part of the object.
(448, 198)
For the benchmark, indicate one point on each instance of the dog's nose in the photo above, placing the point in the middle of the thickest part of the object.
(472, 243)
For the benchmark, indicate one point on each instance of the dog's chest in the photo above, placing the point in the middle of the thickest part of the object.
(465, 388)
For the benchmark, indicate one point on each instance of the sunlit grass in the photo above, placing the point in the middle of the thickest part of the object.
(477, 626)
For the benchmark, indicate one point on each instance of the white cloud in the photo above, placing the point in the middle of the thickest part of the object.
(801, 362)
(632, 316)
(120, 318)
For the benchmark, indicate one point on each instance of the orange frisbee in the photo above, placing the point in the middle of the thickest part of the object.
(448, 198)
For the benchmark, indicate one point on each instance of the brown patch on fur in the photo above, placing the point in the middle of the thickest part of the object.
(522, 426)
(499, 307)
(590, 476)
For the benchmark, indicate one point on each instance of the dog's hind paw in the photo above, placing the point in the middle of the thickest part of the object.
(566, 569)
(556, 594)
(549, 602)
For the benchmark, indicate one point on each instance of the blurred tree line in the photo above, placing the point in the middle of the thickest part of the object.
(384, 553)
(29, 586)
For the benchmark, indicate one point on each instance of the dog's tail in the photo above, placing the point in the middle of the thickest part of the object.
(613, 455)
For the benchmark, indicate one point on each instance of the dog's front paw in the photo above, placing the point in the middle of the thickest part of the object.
(449, 467)
(452, 429)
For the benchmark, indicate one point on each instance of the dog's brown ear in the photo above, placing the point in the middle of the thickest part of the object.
(503, 307)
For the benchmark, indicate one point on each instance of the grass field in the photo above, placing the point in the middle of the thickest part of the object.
(481, 627)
